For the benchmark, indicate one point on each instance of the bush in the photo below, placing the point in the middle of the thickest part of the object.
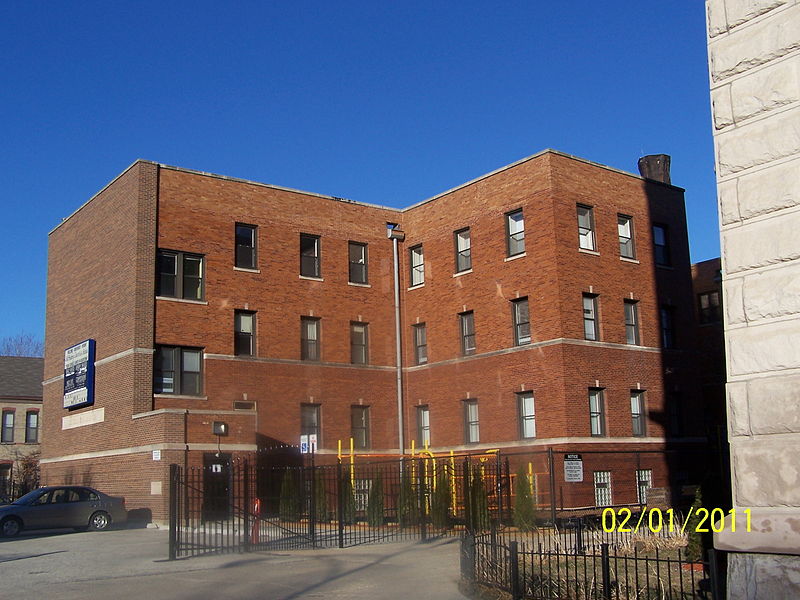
(694, 549)
(291, 502)
(320, 498)
(409, 502)
(524, 507)
(440, 500)
(347, 499)
(477, 499)
(375, 503)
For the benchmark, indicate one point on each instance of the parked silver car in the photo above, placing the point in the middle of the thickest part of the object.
(51, 507)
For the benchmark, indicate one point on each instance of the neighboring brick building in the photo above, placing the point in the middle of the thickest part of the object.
(545, 305)
(20, 409)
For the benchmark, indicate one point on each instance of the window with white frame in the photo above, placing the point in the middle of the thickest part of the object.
(467, 325)
(625, 231)
(7, 435)
(515, 233)
(32, 427)
(638, 416)
(590, 327)
(597, 424)
(244, 326)
(631, 322)
(310, 420)
(358, 263)
(471, 425)
(177, 370)
(644, 481)
(309, 338)
(602, 488)
(586, 239)
(463, 245)
(420, 343)
(359, 354)
(417, 262)
(359, 426)
(522, 321)
(527, 415)
(423, 426)
(309, 255)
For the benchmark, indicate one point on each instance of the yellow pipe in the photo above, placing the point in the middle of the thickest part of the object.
(453, 480)
(413, 448)
(340, 449)
(530, 479)
(352, 468)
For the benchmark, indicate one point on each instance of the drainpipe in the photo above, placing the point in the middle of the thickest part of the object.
(397, 236)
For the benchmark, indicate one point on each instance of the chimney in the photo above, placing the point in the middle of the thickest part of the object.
(655, 167)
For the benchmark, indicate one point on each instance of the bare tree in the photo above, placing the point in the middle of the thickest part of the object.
(21, 344)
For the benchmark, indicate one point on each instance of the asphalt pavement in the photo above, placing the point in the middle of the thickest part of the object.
(132, 564)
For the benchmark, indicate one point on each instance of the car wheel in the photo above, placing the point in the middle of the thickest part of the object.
(10, 527)
(99, 521)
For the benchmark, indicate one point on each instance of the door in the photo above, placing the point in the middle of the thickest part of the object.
(217, 500)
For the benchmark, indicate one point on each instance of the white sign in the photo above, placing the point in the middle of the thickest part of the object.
(303, 444)
(156, 454)
(312, 443)
(573, 468)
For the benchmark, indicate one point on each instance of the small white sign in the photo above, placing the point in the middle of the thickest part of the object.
(573, 468)
(216, 468)
(156, 454)
(312, 443)
(303, 444)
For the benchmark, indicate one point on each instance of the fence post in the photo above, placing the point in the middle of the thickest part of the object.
(516, 591)
(312, 510)
(468, 557)
(466, 478)
(247, 503)
(498, 485)
(173, 512)
(551, 468)
(423, 530)
(340, 502)
(713, 573)
(606, 568)
(579, 537)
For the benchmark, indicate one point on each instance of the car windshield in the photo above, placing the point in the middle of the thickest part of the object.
(29, 497)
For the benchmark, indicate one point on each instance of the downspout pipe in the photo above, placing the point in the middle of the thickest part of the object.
(398, 236)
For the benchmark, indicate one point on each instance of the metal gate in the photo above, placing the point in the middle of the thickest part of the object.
(243, 505)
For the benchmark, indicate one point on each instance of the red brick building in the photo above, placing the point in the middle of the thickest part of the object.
(545, 305)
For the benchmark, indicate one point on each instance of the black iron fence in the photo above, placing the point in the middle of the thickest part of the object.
(528, 567)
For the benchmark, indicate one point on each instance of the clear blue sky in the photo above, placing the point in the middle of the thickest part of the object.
(381, 102)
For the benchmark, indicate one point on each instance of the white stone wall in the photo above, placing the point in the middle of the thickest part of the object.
(754, 64)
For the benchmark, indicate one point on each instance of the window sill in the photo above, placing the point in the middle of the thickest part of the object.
(629, 260)
(460, 273)
(515, 257)
(183, 300)
(665, 267)
(246, 270)
(354, 284)
(307, 278)
(587, 251)
(416, 287)
(180, 396)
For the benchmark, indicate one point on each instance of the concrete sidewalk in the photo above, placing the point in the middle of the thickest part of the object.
(131, 564)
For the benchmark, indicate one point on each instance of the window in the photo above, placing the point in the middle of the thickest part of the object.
(667, 327)
(358, 262)
(7, 435)
(602, 488)
(527, 415)
(244, 330)
(176, 370)
(309, 338)
(521, 320)
(359, 426)
(358, 343)
(644, 481)
(309, 420)
(515, 233)
(631, 322)
(625, 229)
(586, 227)
(309, 255)
(32, 427)
(180, 275)
(420, 344)
(463, 250)
(661, 245)
(246, 257)
(471, 429)
(597, 423)
(467, 321)
(590, 329)
(709, 307)
(637, 413)
(675, 415)
(423, 426)
(417, 265)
